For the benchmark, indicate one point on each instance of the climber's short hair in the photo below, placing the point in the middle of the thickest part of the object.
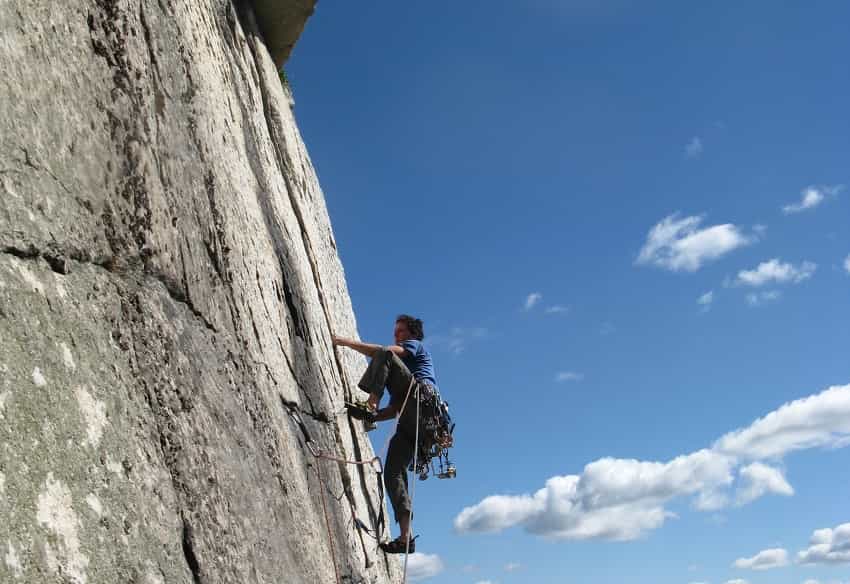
(414, 325)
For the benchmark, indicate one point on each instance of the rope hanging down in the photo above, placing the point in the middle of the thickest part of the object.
(313, 448)
(413, 487)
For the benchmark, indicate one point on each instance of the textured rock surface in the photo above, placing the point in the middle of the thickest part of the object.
(168, 284)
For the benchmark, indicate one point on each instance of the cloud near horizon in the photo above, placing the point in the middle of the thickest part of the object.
(423, 566)
(764, 560)
(623, 499)
(828, 546)
(678, 244)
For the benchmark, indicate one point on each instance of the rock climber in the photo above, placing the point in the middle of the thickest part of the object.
(398, 368)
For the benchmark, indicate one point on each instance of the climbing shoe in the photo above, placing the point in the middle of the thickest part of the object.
(397, 546)
(362, 411)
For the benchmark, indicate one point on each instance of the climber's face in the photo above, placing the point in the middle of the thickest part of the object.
(401, 333)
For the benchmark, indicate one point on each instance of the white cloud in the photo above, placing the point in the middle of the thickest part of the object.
(760, 298)
(764, 560)
(616, 499)
(557, 309)
(423, 566)
(512, 566)
(828, 546)
(820, 420)
(532, 299)
(679, 244)
(760, 479)
(568, 376)
(737, 581)
(775, 271)
(623, 499)
(485, 582)
(693, 149)
(811, 197)
(711, 500)
(847, 263)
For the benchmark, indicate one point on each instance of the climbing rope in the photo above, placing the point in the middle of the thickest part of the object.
(413, 487)
(313, 448)
(327, 521)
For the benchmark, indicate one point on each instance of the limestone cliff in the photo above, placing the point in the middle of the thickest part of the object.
(168, 286)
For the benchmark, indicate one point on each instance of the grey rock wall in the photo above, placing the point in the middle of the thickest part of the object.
(168, 286)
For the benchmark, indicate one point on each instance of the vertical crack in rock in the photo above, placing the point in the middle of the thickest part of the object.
(286, 170)
(189, 552)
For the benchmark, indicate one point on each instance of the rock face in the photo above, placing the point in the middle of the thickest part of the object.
(169, 284)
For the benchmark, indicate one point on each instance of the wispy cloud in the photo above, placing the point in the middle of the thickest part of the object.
(775, 271)
(458, 339)
(532, 300)
(557, 309)
(737, 581)
(512, 566)
(847, 264)
(623, 499)
(568, 376)
(759, 479)
(693, 149)
(811, 197)
(706, 300)
(761, 298)
(828, 546)
(764, 560)
(679, 244)
(423, 566)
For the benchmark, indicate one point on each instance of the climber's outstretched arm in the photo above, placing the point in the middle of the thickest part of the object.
(367, 349)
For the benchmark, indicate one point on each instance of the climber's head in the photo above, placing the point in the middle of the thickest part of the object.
(408, 327)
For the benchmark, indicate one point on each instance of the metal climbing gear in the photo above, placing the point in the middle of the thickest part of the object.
(435, 437)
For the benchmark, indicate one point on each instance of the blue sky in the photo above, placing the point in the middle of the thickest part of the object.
(625, 226)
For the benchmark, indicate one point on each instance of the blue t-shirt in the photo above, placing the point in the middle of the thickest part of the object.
(418, 360)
